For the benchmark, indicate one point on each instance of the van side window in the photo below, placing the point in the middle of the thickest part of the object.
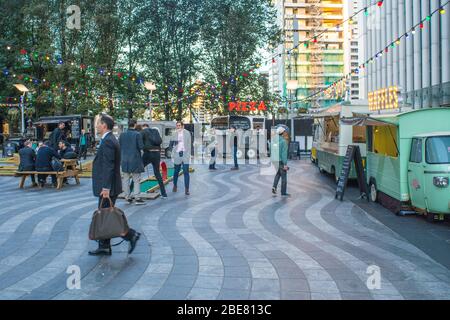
(416, 151)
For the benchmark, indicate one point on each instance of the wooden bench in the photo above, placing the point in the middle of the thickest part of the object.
(70, 170)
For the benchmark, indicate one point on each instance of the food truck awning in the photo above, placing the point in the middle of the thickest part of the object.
(367, 121)
(48, 121)
(330, 112)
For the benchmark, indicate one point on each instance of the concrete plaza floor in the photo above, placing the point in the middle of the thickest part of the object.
(230, 239)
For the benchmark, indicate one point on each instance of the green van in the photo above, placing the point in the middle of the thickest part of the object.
(408, 159)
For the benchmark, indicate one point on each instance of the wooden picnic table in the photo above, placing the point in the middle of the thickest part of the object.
(71, 169)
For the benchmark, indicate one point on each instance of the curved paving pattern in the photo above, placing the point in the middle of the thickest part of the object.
(229, 240)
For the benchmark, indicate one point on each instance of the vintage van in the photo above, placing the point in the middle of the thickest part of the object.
(408, 159)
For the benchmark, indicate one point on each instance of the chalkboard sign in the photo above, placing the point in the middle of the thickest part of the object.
(353, 154)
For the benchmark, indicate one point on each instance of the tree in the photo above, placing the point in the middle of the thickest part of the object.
(232, 33)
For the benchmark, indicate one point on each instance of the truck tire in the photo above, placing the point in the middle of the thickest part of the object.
(251, 153)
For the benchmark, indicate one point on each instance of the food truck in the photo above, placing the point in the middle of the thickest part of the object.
(332, 136)
(408, 160)
(73, 126)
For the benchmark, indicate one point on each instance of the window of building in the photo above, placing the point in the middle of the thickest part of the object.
(359, 134)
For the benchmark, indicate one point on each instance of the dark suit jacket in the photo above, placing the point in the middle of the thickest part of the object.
(131, 146)
(62, 153)
(56, 136)
(106, 167)
(44, 158)
(27, 159)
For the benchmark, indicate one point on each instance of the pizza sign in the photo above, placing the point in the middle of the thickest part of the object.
(247, 106)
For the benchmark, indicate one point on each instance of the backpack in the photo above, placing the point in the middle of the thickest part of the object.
(152, 139)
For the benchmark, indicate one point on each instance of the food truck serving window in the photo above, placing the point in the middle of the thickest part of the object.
(332, 129)
(383, 140)
(437, 150)
(359, 134)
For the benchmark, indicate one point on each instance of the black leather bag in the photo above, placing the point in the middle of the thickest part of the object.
(108, 223)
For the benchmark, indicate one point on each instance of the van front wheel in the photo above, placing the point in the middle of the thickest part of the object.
(373, 191)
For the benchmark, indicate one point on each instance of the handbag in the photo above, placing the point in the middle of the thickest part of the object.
(108, 223)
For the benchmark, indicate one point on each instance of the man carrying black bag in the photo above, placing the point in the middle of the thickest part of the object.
(106, 179)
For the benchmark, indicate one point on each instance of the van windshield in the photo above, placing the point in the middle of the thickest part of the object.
(438, 150)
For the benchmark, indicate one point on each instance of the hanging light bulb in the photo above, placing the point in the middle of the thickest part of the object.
(442, 11)
(380, 3)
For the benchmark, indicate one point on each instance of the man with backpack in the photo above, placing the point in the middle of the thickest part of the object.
(152, 154)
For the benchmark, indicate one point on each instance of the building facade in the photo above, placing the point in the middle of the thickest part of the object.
(418, 66)
(313, 65)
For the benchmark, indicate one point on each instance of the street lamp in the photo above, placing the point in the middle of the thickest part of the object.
(150, 86)
(24, 90)
(292, 85)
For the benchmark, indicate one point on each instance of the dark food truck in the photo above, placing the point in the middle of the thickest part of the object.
(74, 125)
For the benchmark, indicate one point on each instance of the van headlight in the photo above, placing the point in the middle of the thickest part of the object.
(440, 182)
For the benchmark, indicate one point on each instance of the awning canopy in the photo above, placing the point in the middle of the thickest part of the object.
(365, 121)
(50, 121)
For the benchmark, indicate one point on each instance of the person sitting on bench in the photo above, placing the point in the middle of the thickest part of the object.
(27, 160)
(66, 151)
(44, 163)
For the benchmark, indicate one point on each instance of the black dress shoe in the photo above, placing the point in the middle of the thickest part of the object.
(101, 252)
(133, 241)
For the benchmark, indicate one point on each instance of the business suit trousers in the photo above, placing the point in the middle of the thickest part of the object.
(31, 168)
(281, 173)
(154, 158)
(212, 161)
(185, 173)
(104, 244)
(126, 184)
(83, 151)
(235, 150)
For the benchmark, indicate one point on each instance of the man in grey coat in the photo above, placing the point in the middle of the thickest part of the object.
(131, 145)
(180, 143)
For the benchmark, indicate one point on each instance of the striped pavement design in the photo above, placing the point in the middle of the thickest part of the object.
(230, 239)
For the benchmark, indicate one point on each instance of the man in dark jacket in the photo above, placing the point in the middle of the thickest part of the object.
(57, 135)
(27, 160)
(44, 159)
(64, 149)
(131, 146)
(106, 182)
(234, 146)
(152, 154)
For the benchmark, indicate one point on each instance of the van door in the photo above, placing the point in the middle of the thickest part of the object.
(416, 175)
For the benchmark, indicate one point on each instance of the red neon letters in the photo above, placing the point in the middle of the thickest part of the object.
(247, 106)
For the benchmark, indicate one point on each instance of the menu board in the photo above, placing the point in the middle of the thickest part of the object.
(353, 154)
(75, 129)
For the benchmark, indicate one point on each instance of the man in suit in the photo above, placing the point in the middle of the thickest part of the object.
(27, 160)
(44, 159)
(131, 146)
(106, 180)
(57, 135)
(181, 153)
(152, 154)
